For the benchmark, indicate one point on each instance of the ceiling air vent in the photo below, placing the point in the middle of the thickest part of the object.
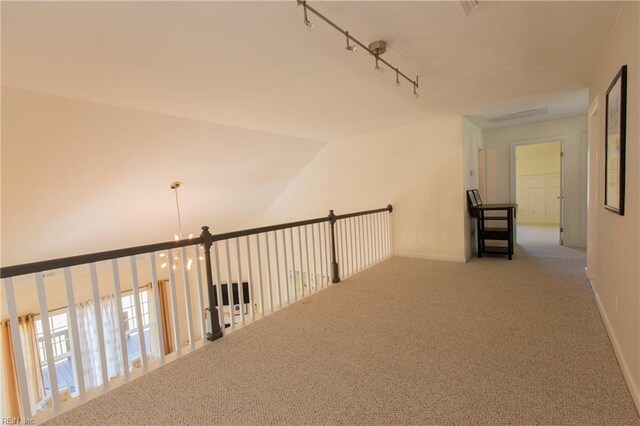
(469, 5)
(518, 115)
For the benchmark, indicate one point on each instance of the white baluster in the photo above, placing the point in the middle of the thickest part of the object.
(174, 304)
(97, 307)
(220, 307)
(293, 265)
(187, 296)
(136, 306)
(301, 262)
(240, 281)
(345, 250)
(390, 228)
(75, 337)
(379, 234)
(374, 235)
(362, 244)
(158, 308)
(229, 287)
(327, 228)
(370, 237)
(322, 251)
(354, 260)
(266, 237)
(201, 305)
(260, 284)
(386, 234)
(121, 327)
(278, 282)
(17, 348)
(286, 267)
(367, 243)
(48, 347)
(315, 271)
(250, 275)
(339, 248)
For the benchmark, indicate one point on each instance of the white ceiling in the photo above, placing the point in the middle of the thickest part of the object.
(254, 64)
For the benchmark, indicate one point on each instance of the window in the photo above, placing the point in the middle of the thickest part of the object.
(129, 312)
(62, 354)
(131, 324)
(61, 341)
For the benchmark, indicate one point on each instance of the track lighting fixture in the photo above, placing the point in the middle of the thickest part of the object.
(378, 67)
(375, 48)
(350, 47)
(310, 25)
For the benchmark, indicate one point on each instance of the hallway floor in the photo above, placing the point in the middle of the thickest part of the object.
(409, 341)
(538, 234)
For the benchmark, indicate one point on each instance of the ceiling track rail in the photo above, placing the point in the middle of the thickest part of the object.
(415, 83)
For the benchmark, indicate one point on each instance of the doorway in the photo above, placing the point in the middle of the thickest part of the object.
(537, 178)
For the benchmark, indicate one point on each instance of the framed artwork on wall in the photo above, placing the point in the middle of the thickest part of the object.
(614, 156)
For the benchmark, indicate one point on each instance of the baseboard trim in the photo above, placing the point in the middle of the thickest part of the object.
(633, 388)
(574, 244)
(551, 222)
(459, 259)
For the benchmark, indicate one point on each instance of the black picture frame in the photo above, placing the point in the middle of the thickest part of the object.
(615, 143)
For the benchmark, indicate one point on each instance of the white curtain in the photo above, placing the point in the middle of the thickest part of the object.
(90, 346)
(9, 389)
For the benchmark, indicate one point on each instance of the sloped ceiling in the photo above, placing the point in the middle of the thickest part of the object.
(105, 103)
(79, 177)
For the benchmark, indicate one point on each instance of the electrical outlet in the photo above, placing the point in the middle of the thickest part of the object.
(414, 238)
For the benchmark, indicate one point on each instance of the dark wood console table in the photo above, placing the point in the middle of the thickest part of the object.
(497, 227)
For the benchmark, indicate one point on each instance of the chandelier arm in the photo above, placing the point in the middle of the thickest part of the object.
(308, 8)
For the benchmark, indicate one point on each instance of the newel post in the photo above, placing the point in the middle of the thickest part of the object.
(207, 241)
(335, 272)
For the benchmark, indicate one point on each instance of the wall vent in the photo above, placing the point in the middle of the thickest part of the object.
(469, 5)
(518, 115)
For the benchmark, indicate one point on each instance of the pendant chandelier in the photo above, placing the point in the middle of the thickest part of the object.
(176, 256)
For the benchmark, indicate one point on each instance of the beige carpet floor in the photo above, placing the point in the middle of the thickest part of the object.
(407, 342)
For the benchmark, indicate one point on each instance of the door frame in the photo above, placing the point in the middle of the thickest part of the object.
(512, 172)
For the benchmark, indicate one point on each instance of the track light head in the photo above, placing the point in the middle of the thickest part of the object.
(310, 25)
(378, 67)
(350, 47)
(397, 78)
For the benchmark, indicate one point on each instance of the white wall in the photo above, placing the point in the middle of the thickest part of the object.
(497, 145)
(614, 259)
(471, 143)
(416, 168)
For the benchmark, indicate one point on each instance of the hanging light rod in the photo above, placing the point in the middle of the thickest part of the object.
(376, 51)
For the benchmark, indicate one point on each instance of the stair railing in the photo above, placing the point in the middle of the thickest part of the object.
(248, 274)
